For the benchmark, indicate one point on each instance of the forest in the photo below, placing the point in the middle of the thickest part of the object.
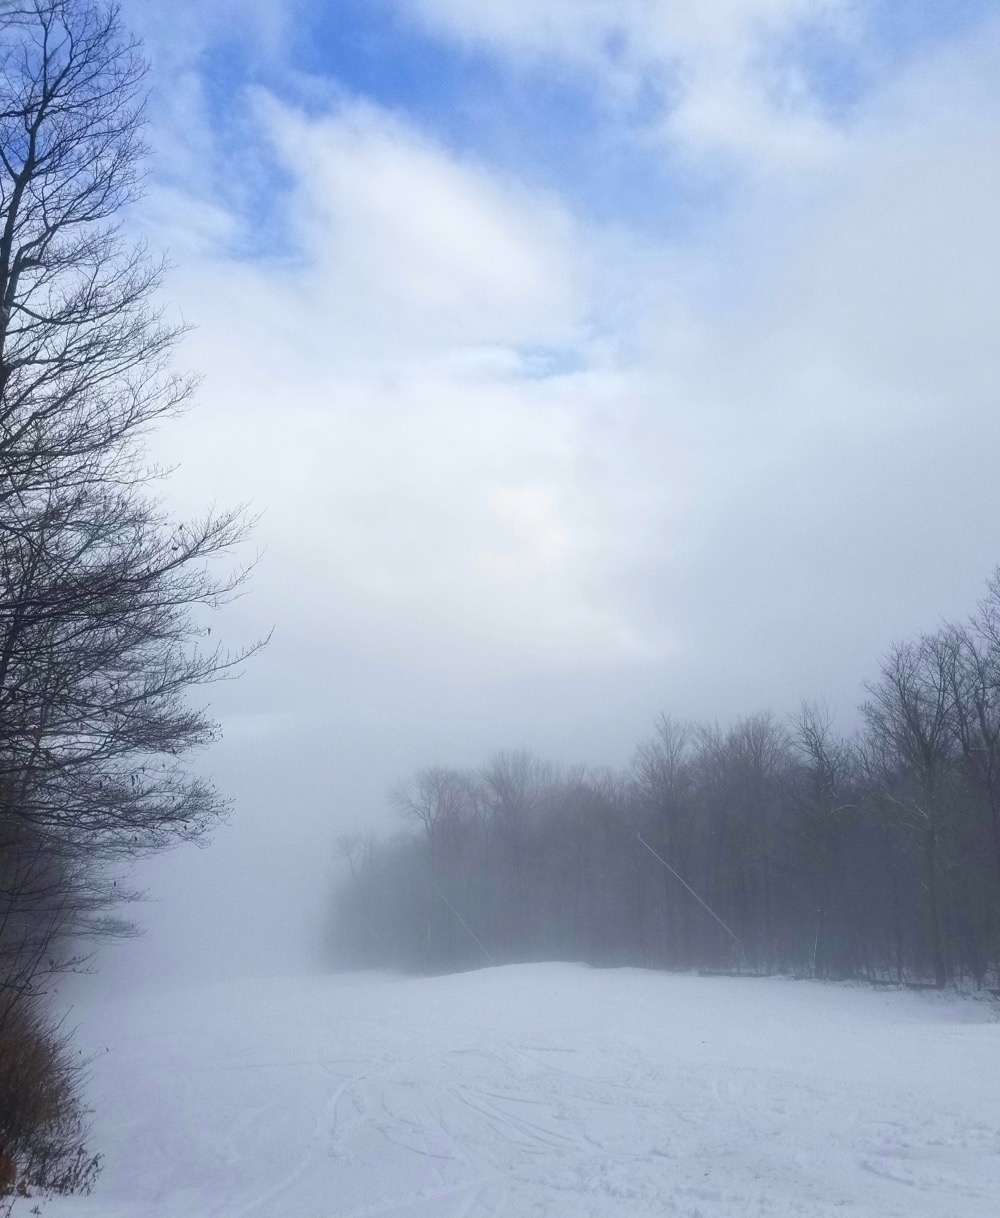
(769, 845)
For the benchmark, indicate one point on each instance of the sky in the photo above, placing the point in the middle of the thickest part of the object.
(584, 360)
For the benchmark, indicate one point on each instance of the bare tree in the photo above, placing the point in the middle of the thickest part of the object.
(663, 774)
(975, 679)
(441, 801)
(911, 714)
(825, 827)
(103, 596)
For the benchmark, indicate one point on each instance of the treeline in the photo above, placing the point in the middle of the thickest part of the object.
(102, 594)
(768, 845)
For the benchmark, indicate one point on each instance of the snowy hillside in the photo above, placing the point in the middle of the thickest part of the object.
(543, 1090)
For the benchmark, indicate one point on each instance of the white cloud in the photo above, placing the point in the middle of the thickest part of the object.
(535, 536)
(437, 253)
(428, 494)
(430, 497)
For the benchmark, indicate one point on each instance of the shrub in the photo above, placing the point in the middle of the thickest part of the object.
(42, 1120)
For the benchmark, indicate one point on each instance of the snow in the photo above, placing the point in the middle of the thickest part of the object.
(533, 1090)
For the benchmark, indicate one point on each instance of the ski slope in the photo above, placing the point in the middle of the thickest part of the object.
(533, 1090)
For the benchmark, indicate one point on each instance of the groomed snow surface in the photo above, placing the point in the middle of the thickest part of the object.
(552, 1089)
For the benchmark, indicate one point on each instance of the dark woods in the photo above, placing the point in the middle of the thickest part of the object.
(765, 846)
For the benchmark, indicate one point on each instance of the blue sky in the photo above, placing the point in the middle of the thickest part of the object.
(547, 119)
(546, 122)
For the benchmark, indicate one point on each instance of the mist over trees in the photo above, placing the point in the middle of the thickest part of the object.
(102, 593)
(767, 845)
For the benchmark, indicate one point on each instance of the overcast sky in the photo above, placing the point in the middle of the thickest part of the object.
(586, 359)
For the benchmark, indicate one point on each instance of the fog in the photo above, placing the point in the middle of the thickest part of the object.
(538, 456)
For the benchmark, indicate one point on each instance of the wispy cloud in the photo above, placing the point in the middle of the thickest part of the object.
(449, 360)
(721, 76)
(384, 393)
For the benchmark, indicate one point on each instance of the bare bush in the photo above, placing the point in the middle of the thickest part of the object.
(42, 1124)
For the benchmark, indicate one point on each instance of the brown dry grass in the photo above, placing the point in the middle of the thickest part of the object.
(42, 1121)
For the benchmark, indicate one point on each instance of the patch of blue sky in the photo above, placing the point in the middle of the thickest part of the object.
(904, 28)
(548, 124)
(839, 73)
(228, 163)
(248, 178)
(545, 123)
(832, 73)
(539, 363)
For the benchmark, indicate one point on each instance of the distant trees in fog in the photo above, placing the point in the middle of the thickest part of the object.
(766, 845)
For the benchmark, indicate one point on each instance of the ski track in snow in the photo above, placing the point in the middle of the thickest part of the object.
(539, 1090)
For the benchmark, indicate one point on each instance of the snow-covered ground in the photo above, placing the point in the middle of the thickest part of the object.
(543, 1090)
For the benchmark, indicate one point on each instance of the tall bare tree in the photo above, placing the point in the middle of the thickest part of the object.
(103, 595)
(911, 714)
